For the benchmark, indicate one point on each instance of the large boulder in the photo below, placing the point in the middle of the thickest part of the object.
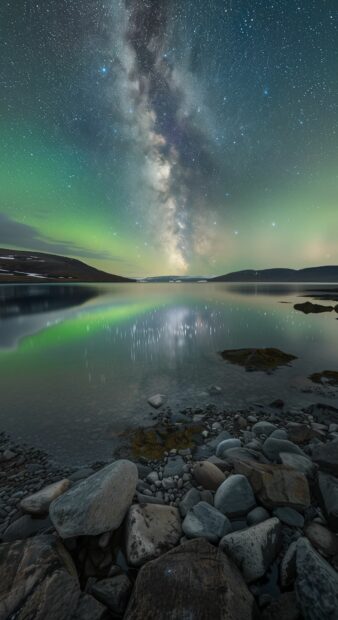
(207, 475)
(327, 489)
(273, 447)
(204, 521)
(195, 580)
(316, 584)
(39, 502)
(150, 531)
(38, 580)
(326, 456)
(235, 496)
(253, 549)
(97, 504)
(276, 485)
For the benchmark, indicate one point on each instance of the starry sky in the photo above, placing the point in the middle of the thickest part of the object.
(149, 137)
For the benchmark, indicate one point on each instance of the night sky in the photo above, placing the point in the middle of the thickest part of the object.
(170, 136)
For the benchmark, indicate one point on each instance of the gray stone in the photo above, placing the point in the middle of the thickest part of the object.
(253, 549)
(287, 571)
(322, 539)
(149, 499)
(273, 447)
(150, 531)
(174, 466)
(194, 581)
(245, 454)
(204, 521)
(316, 584)
(280, 433)
(326, 456)
(213, 443)
(97, 504)
(207, 475)
(235, 496)
(114, 592)
(81, 474)
(299, 462)
(39, 502)
(264, 428)
(156, 401)
(289, 516)
(226, 445)
(189, 500)
(25, 527)
(327, 488)
(257, 515)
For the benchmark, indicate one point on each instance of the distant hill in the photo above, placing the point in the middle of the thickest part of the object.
(21, 266)
(310, 274)
(174, 279)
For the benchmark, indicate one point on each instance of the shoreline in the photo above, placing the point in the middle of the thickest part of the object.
(276, 461)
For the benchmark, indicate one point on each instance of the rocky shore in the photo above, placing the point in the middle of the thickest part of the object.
(208, 514)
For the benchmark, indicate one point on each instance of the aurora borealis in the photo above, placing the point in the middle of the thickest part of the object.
(170, 136)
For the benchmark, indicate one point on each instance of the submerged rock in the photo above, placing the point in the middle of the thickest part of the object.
(97, 504)
(150, 531)
(39, 502)
(253, 549)
(235, 496)
(195, 580)
(258, 359)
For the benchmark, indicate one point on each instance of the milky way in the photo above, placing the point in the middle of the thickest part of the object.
(181, 136)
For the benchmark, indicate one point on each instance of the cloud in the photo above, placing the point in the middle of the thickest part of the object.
(22, 235)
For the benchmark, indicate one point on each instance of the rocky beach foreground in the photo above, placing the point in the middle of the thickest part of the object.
(209, 514)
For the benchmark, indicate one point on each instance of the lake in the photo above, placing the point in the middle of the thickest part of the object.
(78, 362)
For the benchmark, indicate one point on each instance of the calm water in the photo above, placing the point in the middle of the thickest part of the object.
(77, 363)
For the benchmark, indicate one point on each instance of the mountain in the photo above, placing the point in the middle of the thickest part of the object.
(21, 266)
(174, 279)
(310, 274)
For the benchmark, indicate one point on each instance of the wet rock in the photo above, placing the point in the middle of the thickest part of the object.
(326, 456)
(273, 447)
(208, 475)
(235, 496)
(257, 515)
(150, 531)
(226, 445)
(25, 527)
(289, 516)
(189, 500)
(327, 489)
(276, 485)
(97, 504)
(195, 580)
(322, 539)
(204, 521)
(316, 584)
(253, 549)
(299, 462)
(38, 503)
(113, 592)
(258, 359)
(156, 401)
(263, 429)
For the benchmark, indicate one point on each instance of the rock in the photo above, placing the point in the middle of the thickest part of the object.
(263, 428)
(189, 500)
(204, 521)
(244, 454)
(327, 489)
(7, 455)
(38, 503)
(322, 539)
(207, 496)
(235, 496)
(257, 515)
(213, 443)
(81, 474)
(289, 516)
(280, 433)
(97, 504)
(284, 608)
(222, 465)
(208, 475)
(316, 584)
(25, 527)
(299, 433)
(276, 485)
(265, 360)
(195, 581)
(273, 447)
(226, 445)
(299, 462)
(114, 592)
(326, 456)
(288, 566)
(253, 549)
(173, 467)
(38, 580)
(151, 530)
(149, 499)
(156, 401)
(214, 390)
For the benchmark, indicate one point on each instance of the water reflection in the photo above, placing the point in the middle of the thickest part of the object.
(26, 299)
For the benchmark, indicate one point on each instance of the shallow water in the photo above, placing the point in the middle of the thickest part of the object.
(78, 362)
